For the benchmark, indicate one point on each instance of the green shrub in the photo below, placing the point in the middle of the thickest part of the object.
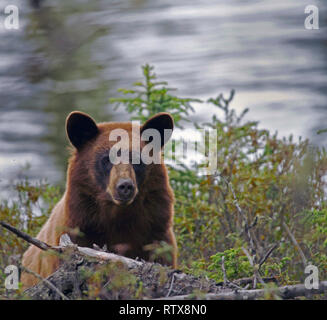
(275, 181)
(28, 212)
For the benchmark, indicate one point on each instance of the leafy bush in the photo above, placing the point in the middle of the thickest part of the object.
(273, 181)
(28, 213)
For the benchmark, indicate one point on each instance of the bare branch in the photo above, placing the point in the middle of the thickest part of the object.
(304, 260)
(269, 252)
(248, 256)
(226, 281)
(256, 275)
(40, 244)
(47, 282)
(106, 256)
(171, 284)
(254, 223)
(224, 270)
(65, 242)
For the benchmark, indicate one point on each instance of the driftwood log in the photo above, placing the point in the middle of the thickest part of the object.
(87, 273)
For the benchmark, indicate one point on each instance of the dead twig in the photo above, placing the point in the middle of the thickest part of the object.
(171, 284)
(254, 223)
(248, 256)
(290, 234)
(266, 256)
(224, 270)
(47, 282)
(226, 281)
(256, 275)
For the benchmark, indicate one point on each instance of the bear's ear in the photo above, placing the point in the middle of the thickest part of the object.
(80, 128)
(163, 122)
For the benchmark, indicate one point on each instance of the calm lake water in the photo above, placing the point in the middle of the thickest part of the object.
(72, 54)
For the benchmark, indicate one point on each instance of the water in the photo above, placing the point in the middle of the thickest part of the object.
(74, 54)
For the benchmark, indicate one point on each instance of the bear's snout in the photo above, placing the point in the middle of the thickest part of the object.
(122, 186)
(125, 190)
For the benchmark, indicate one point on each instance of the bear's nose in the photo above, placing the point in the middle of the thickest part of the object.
(125, 189)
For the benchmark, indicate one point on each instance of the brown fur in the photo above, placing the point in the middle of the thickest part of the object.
(92, 209)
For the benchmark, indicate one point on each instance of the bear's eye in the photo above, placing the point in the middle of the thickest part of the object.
(105, 161)
(139, 167)
(102, 169)
(140, 170)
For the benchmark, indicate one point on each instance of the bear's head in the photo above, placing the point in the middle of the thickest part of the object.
(113, 159)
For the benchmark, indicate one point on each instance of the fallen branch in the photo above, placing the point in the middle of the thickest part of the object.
(65, 242)
(40, 244)
(286, 292)
(249, 280)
